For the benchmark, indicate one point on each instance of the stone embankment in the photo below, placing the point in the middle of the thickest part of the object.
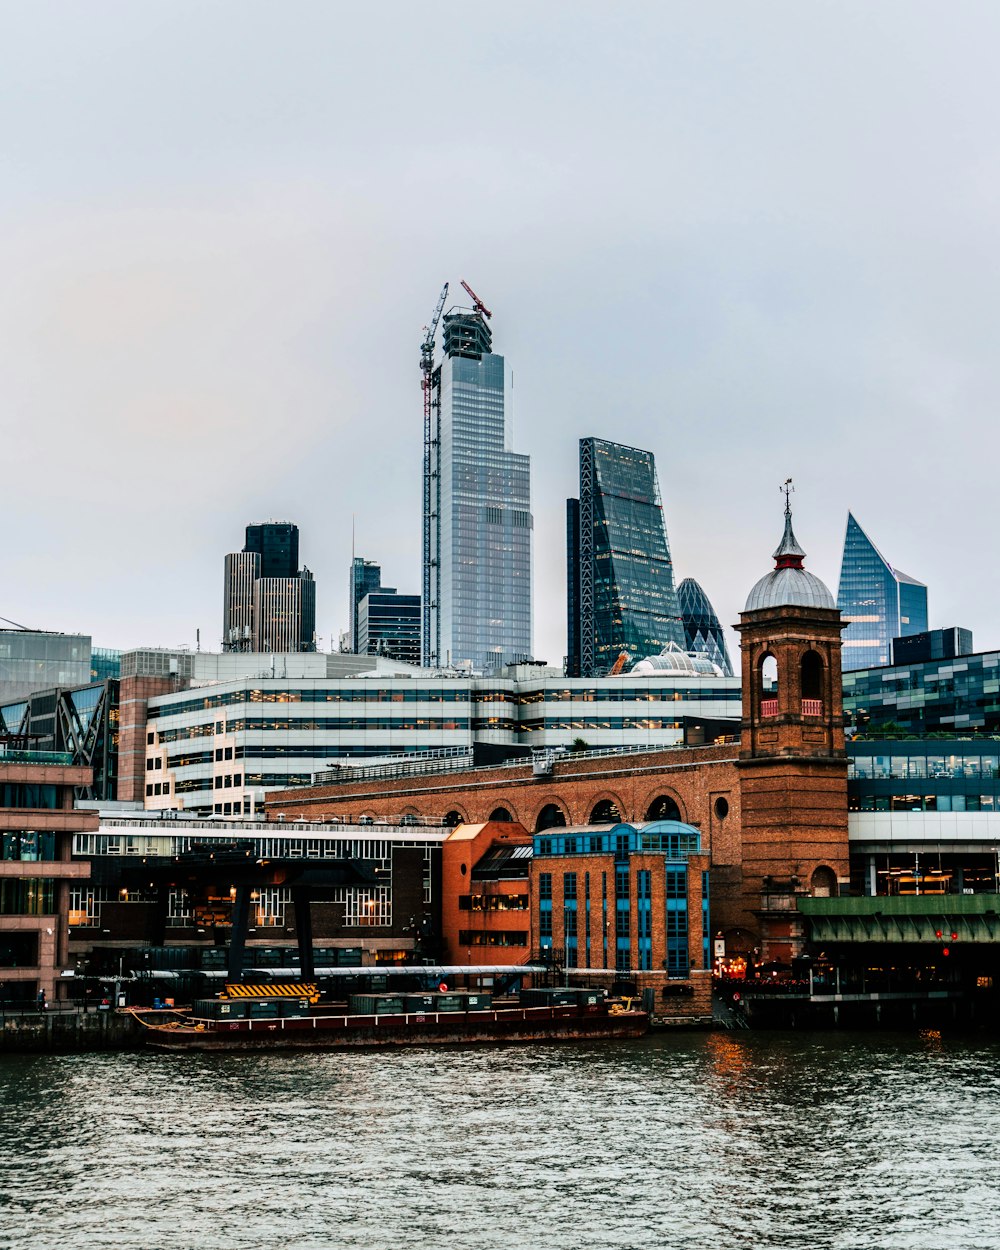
(61, 1030)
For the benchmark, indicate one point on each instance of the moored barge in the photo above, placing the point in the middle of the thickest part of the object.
(322, 1028)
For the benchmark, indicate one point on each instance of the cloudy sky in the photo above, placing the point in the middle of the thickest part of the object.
(759, 240)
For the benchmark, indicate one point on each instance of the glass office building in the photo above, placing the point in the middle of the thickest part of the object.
(477, 522)
(389, 625)
(878, 602)
(277, 544)
(35, 660)
(366, 576)
(619, 573)
(961, 694)
(702, 631)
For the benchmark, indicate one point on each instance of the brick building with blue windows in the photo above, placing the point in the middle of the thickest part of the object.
(630, 902)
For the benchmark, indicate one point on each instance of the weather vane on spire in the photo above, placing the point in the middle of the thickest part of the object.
(787, 488)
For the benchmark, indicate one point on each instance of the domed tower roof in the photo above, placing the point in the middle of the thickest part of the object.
(789, 584)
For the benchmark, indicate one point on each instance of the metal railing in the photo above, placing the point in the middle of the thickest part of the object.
(35, 757)
(350, 773)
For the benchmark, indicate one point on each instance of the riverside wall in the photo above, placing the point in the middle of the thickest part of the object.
(40, 1031)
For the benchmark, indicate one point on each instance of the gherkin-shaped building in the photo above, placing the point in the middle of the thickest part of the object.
(702, 631)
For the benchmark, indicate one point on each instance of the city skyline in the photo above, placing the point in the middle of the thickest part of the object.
(247, 289)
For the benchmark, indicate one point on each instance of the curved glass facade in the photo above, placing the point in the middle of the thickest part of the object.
(702, 631)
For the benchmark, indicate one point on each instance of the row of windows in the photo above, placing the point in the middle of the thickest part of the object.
(346, 724)
(492, 937)
(923, 802)
(603, 722)
(919, 767)
(673, 843)
(371, 693)
(24, 794)
(27, 897)
(27, 845)
(233, 809)
(190, 785)
(694, 692)
(493, 902)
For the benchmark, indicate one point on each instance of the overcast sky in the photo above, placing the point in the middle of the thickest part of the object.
(759, 240)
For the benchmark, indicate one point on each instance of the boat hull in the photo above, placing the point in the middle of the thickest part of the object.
(346, 1032)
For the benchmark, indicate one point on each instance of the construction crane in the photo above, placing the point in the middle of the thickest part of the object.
(427, 346)
(430, 504)
(619, 664)
(477, 304)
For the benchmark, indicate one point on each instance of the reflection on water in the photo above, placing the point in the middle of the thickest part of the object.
(678, 1141)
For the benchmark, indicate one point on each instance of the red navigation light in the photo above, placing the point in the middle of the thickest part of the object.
(938, 933)
(954, 937)
(945, 950)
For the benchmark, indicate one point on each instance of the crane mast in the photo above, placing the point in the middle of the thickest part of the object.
(432, 485)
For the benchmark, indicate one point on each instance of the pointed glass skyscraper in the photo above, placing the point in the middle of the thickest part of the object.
(620, 578)
(878, 602)
(702, 631)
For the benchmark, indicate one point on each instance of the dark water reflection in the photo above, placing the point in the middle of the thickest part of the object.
(718, 1140)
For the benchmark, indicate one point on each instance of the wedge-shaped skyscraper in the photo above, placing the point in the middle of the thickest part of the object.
(878, 602)
(620, 578)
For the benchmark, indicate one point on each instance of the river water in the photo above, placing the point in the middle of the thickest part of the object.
(707, 1141)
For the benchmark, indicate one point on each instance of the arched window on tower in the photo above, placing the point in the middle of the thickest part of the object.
(812, 684)
(768, 686)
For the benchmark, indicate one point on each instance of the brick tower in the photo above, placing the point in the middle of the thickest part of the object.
(793, 767)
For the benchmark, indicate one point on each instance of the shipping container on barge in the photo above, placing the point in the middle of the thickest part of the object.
(374, 1020)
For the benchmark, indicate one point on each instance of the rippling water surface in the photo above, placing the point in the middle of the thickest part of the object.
(678, 1141)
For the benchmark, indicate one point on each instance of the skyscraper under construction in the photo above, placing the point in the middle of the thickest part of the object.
(477, 502)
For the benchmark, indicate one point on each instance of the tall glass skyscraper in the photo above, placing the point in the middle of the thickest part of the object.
(477, 510)
(702, 631)
(620, 578)
(878, 602)
(366, 576)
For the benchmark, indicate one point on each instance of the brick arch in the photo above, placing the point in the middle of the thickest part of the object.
(499, 800)
(460, 811)
(653, 794)
(550, 800)
(603, 796)
(823, 877)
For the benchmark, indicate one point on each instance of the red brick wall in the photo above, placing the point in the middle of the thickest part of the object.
(135, 693)
(459, 856)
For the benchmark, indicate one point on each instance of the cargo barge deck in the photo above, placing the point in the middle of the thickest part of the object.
(320, 1031)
